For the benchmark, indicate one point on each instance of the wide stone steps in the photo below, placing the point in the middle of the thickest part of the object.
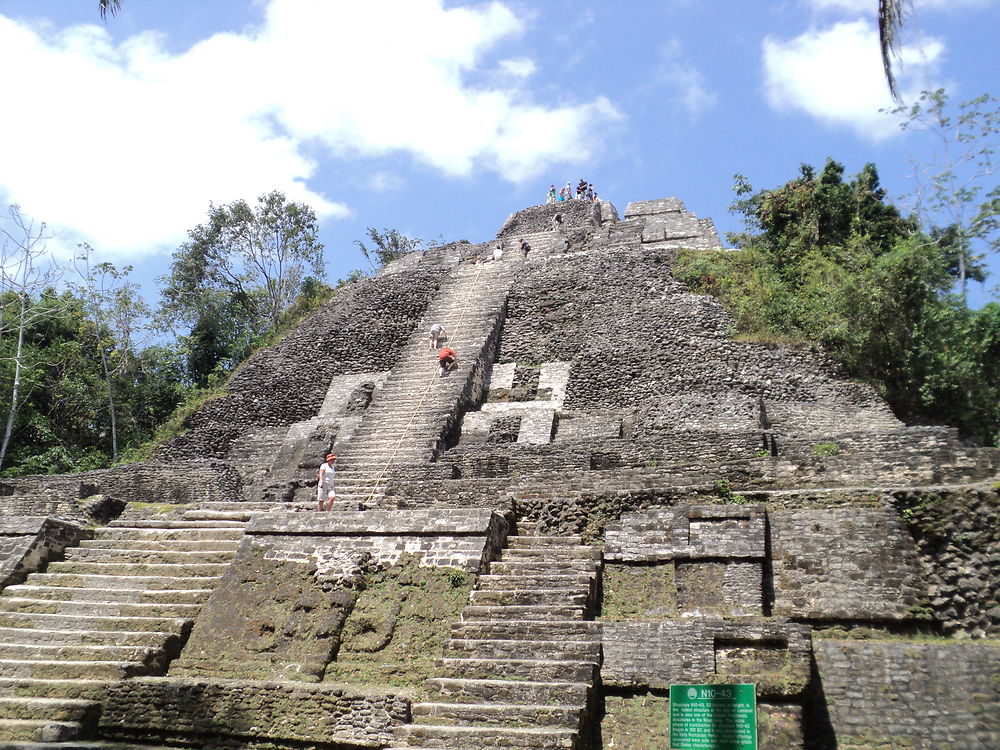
(474, 738)
(507, 691)
(77, 606)
(93, 596)
(529, 630)
(57, 709)
(150, 639)
(65, 652)
(169, 524)
(510, 648)
(540, 580)
(117, 606)
(527, 612)
(516, 715)
(519, 669)
(91, 623)
(69, 669)
(535, 542)
(550, 553)
(165, 545)
(28, 687)
(117, 556)
(529, 597)
(234, 514)
(175, 570)
(551, 567)
(127, 582)
(37, 730)
(79, 745)
(205, 533)
(539, 670)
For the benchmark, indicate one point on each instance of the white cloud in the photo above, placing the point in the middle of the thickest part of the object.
(521, 67)
(384, 182)
(835, 75)
(124, 145)
(675, 73)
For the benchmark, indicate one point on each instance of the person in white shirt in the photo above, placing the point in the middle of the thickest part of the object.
(325, 493)
(437, 333)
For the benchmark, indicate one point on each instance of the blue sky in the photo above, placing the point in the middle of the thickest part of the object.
(440, 118)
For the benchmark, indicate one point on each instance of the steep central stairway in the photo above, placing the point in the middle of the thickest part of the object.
(120, 604)
(408, 419)
(521, 668)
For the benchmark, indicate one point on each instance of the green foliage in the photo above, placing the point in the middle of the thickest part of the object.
(64, 422)
(399, 625)
(956, 196)
(831, 265)
(387, 246)
(724, 491)
(239, 271)
(824, 449)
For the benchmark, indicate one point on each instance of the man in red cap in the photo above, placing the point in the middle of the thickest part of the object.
(324, 484)
(447, 359)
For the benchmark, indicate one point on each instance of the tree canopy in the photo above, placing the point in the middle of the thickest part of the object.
(236, 275)
(826, 261)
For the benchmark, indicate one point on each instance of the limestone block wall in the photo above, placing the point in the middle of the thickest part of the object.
(958, 542)
(907, 694)
(363, 328)
(705, 531)
(279, 609)
(646, 341)
(656, 654)
(28, 542)
(278, 714)
(857, 564)
(102, 494)
(539, 218)
(460, 538)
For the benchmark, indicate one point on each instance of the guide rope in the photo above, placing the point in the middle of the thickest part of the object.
(419, 406)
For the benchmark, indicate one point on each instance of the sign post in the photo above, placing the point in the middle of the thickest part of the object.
(713, 717)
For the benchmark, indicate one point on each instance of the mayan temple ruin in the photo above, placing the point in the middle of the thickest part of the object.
(609, 495)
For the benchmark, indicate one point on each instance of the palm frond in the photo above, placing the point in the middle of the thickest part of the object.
(891, 18)
(110, 6)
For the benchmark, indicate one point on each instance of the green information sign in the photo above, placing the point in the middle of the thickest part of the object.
(713, 717)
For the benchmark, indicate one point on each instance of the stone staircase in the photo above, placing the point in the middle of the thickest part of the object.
(412, 413)
(120, 604)
(522, 667)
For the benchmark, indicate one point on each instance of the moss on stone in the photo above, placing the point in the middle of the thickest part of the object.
(637, 722)
(399, 625)
(643, 593)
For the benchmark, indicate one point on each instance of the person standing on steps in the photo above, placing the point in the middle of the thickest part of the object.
(447, 359)
(551, 197)
(325, 492)
(497, 252)
(437, 333)
(525, 247)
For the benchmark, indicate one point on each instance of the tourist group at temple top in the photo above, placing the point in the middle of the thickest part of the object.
(584, 192)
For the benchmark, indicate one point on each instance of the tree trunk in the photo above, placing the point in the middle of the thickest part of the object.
(16, 392)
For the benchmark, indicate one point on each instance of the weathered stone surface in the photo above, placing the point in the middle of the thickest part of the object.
(909, 694)
(656, 654)
(281, 712)
(27, 543)
(844, 565)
